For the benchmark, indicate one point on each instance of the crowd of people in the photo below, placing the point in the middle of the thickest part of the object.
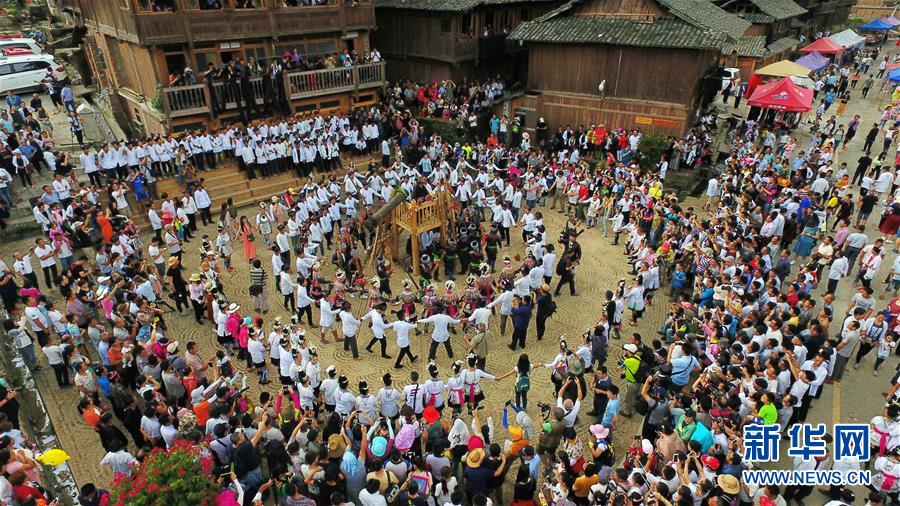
(746, 340)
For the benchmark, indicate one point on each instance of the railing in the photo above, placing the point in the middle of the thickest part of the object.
(195, 99)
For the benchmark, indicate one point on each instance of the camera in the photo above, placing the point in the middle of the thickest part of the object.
(543, 406)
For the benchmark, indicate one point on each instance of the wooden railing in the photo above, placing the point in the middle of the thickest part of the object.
(195, 99)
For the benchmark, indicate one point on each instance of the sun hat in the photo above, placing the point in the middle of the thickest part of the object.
(599, 431)
(710, 462)
(630, 348)
(474, 458)
(378, 446)
(431, 415)
(728, 483)
(336, 446)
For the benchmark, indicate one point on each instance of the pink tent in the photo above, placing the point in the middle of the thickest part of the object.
(783, 95)
(823, 46)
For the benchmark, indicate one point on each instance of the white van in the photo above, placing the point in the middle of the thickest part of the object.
(19, 73)
(20, 43)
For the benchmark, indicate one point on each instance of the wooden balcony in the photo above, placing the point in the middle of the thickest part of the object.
(193, 100)
(234, 24)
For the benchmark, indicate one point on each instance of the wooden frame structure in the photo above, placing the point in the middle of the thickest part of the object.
(437, 211)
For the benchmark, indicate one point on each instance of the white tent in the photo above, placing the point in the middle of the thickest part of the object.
(848, 38)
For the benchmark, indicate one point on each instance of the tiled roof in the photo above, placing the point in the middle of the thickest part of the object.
(759, 18)
(749, 45)
(704, 14)
(783, 44)
(663, 33)
(445, 5)
(779, 9)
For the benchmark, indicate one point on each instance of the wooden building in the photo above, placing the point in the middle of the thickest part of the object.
(873, 9)
(133, 46)
(777, 26)
(451, 39)
(655, 59)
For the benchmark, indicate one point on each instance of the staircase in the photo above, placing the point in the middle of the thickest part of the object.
(226, 182)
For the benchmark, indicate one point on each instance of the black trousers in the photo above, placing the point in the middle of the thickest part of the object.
(289, 299)
(432, 350)
(404, 352)
(382, 342)
(181, 299)
(50, 275)
(199, 310)
(566, 278)
(308, 312)
(518, 336)
(62, 374)
(541, 322)
(205, 215)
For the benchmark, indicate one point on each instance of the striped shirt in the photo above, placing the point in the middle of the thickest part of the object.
(258, 276)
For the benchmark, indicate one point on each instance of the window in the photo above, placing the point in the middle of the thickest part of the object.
(26, 66)
(446, 25)
(466, 23)
(305, 107)
(255, 52)
(329, 104)
(524, 15)
(5, 70)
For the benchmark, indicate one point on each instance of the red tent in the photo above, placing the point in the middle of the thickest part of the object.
(783, 95)
(824, 46)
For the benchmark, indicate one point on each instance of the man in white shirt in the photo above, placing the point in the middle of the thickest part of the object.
(441, 333)
(23, 268)
(203, 202)
(378, 326)
(155, 221)
(350, 326)
(47, 256)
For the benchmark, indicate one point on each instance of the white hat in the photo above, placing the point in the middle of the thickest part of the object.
(172, 347)
(233, 307)
(630, 348)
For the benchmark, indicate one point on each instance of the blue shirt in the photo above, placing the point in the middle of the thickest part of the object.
(521, 316)
(612, 409)
(681, 369)
(829, 96)
(67, 94)
(534, 466)
(495, 125)
(14, 100)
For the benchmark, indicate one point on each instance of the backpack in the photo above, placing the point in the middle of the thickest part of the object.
(641, 406)
(642, 372)
(551, 308)
(523, 383)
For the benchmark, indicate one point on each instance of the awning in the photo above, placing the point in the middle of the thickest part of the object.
(891, 20)
(782, 95)
(894, 76)
(848, 38)
(877, 25)
(824, 45)
(783, 68)
(813, 61)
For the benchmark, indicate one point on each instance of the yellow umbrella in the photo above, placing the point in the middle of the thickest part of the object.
(784, 68)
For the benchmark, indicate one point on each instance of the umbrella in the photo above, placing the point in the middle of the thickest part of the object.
(783, 95)
(783, 68)
(824, 45)
(894, 76)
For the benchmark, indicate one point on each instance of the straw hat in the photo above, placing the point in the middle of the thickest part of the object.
(474, 458)
(728, 483)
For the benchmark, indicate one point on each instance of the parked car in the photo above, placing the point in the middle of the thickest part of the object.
(25, 73)
(728, 74)
(21, 43)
